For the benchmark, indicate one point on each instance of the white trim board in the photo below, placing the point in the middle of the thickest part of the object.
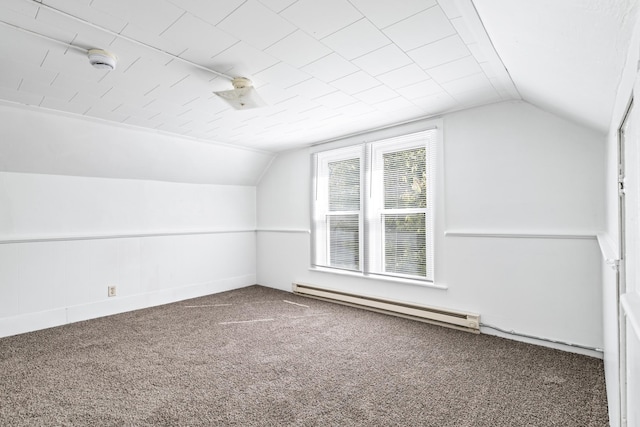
(72, 237)
(520, 234)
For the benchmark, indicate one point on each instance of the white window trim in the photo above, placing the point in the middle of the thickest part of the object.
(400, 143)
(381, 278)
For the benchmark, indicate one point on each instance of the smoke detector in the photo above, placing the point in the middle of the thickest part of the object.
(102, 59)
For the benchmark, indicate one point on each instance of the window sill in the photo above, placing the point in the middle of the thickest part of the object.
(380, 278)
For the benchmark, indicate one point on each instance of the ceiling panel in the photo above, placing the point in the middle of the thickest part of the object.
(356, 40)
(321, 18)
(241, 59)
(422, 28)
(194, 34)
(403, 77)
(324, 69)
(356, 82)
(383, 60)
(298, 49)
(330, 67)
(257, 25)
(440, 52)
(385, 13)
(455, 69)
(210, 11)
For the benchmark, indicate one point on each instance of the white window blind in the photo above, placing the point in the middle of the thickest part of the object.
(373, 207)
(337, 215)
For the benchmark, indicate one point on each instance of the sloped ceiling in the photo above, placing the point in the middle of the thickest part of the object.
(564, 56)
(325, 68)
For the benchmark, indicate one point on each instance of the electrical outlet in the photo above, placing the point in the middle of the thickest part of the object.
(111, 291)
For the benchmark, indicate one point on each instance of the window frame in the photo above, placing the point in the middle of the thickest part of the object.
(320, 247)
(430, 139)
(375, 205)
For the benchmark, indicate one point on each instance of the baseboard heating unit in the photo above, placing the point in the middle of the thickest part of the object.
(453, 319)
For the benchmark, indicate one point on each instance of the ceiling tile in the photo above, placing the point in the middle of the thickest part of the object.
(13, 71)
(383, 60)
(210, 11)
(467, 84)
(455, 70)
(21, 7)
(298, 49)
(190, 32)
(62, 105)
(241, 59)
(148, 38)
(489, 70)
(46, 89)
(31, 50)
(10, 78)
(376, 94)
(330, 68)
(356, 40)
(463, 30)
(385, 13)
(393, 104)
(404, 76)
(450, 8)
(312, 88)
(440, 52)
(477, 97)
(26, 98)
(356, 82)
(321, 112)
(321, 18)
(64, 28)
(421, 89)
(152, 15)
(84, 87)
(477, 52)
(283, 75)
(436, 103)
(255, 24)
(420, 29)
(87, 12)
(355, 109)
(272, 94)
(336, 100)
(277, 5)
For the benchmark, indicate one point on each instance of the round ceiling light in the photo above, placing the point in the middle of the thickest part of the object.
(102, 59)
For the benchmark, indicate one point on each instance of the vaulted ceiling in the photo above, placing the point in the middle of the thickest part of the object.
(324, 68)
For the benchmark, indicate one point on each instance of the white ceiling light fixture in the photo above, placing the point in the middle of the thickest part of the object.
(102, 59)
(243, 95)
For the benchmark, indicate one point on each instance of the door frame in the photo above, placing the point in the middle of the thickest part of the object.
(621, 284)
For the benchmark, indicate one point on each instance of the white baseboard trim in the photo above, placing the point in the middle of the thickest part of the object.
(30, 322)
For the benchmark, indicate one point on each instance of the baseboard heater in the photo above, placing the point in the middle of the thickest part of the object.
(444, 317)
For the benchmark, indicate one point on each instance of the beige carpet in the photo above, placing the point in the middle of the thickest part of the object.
(252, 357)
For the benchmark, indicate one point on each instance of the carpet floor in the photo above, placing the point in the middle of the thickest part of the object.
(262, 357)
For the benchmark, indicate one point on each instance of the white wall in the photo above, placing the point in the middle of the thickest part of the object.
(508, 169)
(56, 264)
(35, 140)
(85, 205)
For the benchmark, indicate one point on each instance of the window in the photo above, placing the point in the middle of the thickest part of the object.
(373, 207)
